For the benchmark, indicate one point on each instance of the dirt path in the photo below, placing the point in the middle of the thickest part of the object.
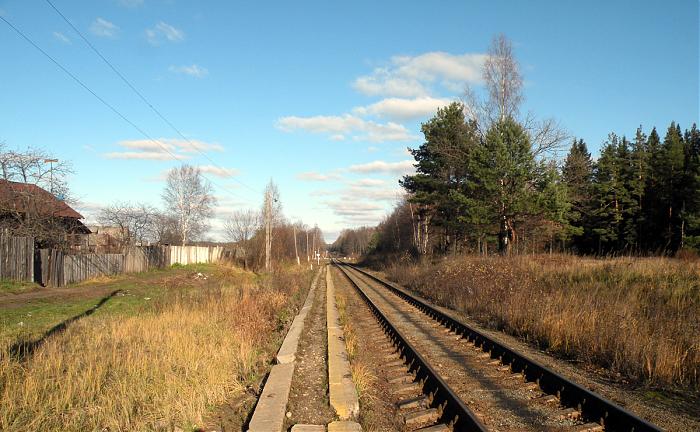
(308, 397)
(93, 289)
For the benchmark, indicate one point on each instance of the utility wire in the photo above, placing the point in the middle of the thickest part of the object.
(139, 94)
(104, 102)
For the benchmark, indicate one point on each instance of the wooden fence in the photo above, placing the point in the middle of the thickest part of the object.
(16, 258)
(58, 269)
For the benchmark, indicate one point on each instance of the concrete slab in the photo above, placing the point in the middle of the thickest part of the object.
(271, 409)
(344, 426)
(287, 352)
(308, 428)
(341, 388)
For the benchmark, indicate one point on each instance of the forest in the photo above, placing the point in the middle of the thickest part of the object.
(640, 196)
(489, 179)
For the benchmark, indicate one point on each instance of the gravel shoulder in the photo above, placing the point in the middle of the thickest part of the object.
(378, 410)
(308, 397)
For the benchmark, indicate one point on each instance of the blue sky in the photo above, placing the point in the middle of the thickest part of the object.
(323, 97)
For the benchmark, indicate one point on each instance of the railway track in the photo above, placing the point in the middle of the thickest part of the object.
(449, 376)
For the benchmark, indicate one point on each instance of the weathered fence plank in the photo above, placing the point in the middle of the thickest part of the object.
(59, 269)
(16, 258)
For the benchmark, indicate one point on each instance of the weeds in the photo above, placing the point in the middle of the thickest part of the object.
(167, 365)
(636, 317)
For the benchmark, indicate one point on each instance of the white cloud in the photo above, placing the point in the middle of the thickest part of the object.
(193, 70)
(162, 149)
(61, 37)
(381, 83)
(218, 171)
(412, 76)
(337, 137)
(367, 182)
(162, 32)
(403, 109)
(315, 176)
(146, 155)
(103, 28)
(383, 167)
(347, 124)
(345, 208)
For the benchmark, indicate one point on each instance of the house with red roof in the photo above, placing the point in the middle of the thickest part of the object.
(28, 210)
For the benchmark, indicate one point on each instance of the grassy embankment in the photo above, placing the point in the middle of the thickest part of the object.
(165, 351)
(636, 317)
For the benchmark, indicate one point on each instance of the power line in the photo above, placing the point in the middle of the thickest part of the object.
(139, 94)
(104, 102)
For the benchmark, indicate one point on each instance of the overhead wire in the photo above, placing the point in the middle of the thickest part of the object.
(104, 102)
(140, 95)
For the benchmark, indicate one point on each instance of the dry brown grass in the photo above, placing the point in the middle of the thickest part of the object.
(361, 374)
(168, 366)
(638, 317)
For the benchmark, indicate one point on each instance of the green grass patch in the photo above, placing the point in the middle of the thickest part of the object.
(136, 294)
(15, 287)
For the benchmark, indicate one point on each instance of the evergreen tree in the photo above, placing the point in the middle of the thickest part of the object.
(577, 176)
(651, 207)
(672, 191)
(628, 238)
(609, 193)
(691, 213)
(637, 186)
(442, 166)
(503, 172)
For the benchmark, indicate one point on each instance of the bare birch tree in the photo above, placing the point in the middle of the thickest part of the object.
(272, 214)
(504, 97)
(188, 197)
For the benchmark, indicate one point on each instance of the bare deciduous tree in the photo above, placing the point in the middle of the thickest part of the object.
(135, 221)
(272, 215)
(188, 198)
(240, 228)
(164, 229)
(503, 83)
(38, 167)
(34, 195)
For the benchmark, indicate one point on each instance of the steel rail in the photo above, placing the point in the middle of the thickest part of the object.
(454, 412)
(592, 406)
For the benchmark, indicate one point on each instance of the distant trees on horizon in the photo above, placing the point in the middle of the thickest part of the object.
(487, 178)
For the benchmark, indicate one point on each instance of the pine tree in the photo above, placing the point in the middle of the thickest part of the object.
(577, 176)
(692, 210)
(441, 167)
(671, 188)
(503, 170)
(628, 238)
(637, 185)
(609, 195)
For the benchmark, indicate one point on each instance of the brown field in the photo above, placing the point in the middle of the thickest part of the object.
(636, 317)
(153, 368)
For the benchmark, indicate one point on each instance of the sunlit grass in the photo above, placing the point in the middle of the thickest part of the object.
(150, 367)
(638, 317)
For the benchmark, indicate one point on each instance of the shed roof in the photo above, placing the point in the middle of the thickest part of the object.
(24, 197)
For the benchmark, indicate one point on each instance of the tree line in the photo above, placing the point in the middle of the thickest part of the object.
(487, 178)
(259, 237)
